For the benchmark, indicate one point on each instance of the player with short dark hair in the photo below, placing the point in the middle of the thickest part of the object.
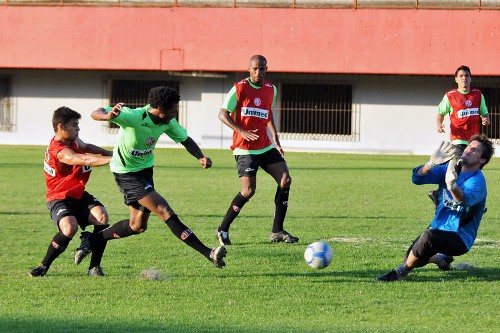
(132, 166)
(68, 164)
(247, 110)
(462, 199)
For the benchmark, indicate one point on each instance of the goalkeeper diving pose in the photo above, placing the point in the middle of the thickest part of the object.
(461, 202)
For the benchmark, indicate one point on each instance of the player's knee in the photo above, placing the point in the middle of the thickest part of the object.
(248, 192)
(137, 226)
(286, 182)
(138, 230)
(69, 227)
(103, 218)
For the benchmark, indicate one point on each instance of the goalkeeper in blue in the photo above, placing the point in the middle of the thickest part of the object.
(461, 203)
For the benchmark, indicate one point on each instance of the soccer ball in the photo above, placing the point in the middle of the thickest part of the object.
(318, 255)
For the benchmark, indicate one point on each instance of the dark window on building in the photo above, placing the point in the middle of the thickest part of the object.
(7, 116)
(310, 108)
(492, 99)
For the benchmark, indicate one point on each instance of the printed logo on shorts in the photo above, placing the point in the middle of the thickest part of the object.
(249, 169)
(60, 211)
(257, 101)
(86, 168)
(185, 234)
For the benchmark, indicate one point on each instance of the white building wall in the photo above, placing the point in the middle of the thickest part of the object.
(397, 113)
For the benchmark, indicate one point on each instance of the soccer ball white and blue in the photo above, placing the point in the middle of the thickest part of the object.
(318, 255)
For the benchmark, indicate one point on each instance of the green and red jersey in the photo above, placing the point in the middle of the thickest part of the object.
(465, 110)
(251, 108)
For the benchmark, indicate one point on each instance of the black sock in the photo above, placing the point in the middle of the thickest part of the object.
(186, 235)
(57, 246)
(98, 247)
(120, 229)
(236, 205)
(281, 203)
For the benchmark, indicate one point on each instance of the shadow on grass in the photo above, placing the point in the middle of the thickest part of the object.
(475, 274)
(168, 324)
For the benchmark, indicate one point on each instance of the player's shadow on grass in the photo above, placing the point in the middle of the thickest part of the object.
(329, 275)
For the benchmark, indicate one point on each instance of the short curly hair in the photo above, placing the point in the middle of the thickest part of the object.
(63, 115)
(163, 97)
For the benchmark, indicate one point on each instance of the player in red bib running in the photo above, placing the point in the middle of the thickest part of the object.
(68, 164)
(467, 110)
(247, 110)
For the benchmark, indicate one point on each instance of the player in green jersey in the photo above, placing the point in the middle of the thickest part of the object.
(132, 166)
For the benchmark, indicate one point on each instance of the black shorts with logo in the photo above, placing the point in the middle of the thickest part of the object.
(79, 208)
(248, 165)
(135, 186)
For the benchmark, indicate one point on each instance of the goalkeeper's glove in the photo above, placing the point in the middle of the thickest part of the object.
(443, 154)
(451, 175)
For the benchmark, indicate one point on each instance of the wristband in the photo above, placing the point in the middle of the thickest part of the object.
(430, 165)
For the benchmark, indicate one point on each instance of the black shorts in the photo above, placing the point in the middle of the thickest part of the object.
(135, 186)
(248, 165)
(433, 241)
(79, 208)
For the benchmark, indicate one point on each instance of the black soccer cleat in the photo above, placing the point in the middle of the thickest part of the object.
(84, 249)
(38, 271)
(433, 195)
(444, 262)
(392, 276)
(217, 256)
(95, 271)
(223, 237)
(283, 236)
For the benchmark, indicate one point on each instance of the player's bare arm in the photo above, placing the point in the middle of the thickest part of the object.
(274, 135)
(92, 149)
(70, 157)
(193, 148)
(226, 119)
(101, 114)
(440, 125)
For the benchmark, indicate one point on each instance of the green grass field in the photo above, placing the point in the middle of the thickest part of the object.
(364, 206)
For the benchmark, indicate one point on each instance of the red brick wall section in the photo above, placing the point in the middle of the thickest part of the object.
(363, 41)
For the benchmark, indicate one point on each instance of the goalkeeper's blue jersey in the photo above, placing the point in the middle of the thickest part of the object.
(463, 218)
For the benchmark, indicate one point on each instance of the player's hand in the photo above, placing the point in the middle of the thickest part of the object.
(451, 175)
(484, 121)
(205, 162)
(115, 111)
(443, 154)
(441, 129)
(249, 135)
(281, 151)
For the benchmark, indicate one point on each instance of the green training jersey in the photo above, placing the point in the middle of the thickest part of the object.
(137, 139)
